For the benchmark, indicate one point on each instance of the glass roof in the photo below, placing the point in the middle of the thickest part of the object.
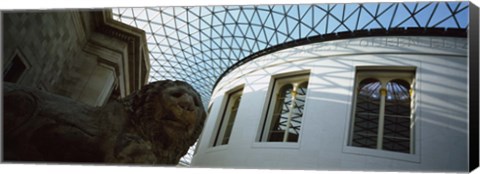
(198, 44)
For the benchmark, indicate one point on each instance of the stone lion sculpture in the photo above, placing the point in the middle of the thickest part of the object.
(155, 125)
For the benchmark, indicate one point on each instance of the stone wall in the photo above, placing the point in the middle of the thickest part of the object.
(48, 41)
(83, 55)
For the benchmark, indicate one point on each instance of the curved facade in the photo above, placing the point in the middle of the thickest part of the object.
(366, 103)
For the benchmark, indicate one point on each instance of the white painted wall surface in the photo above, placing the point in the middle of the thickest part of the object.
(441, 104)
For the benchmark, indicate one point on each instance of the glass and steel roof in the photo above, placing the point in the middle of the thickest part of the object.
(199, 44)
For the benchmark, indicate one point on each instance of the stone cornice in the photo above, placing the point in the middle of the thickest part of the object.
(136, 63)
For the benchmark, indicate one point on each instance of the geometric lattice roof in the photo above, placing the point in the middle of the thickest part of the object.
(198, 44)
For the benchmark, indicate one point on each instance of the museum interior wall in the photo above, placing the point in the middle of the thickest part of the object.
(83, 55)
(325, 128)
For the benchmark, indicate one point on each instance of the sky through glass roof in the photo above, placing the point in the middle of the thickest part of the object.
(197, 44)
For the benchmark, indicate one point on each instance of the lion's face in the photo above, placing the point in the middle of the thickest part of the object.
(168, 109)
(181, 109)
(169, 114)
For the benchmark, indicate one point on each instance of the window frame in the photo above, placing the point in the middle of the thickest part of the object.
(277, 83)
(22, 59)
(221, 126)
(386, 74)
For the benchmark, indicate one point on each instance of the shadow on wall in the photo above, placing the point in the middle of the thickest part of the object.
(441, 95)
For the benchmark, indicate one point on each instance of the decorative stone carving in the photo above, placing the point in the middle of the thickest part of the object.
(155, 125)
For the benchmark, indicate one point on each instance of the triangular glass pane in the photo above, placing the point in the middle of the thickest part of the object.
(263, 14)
(341, 28)
(243, 30)
(305, 12)
(448, 23)
(333, 25)
(182, 36)
(166, 19)
(168, 30)
(204, 23)
(261, 45)
(322, 7)
(292, 11)
(248, 13)
(277, 19)
(292, 25)
(216, 21)
(270, 36)
(128, 21)
(262, 35)
(154, 49)
(143, 25)
(242, 18)
(463, 18)
(167, 11)
(227, 19)
(129, 12)
(268, 21)
(373, 25)
(251, 44)
(121, 11)
(193, 12)
(401, 15)
(351, 10)
(233, 12)
(351, 18)
(282, 27)
(411, 6)
(319, 16)
(453, 5)
(254, 18)
(321, 27)
(386, 17)
(255, 30)
(385, 6)
(140, 13)
(152, 13)
(336, 13)
(304, 30)
(423, 15)
(365, 18)
(441, 13)
(371, 7)
(463, 5)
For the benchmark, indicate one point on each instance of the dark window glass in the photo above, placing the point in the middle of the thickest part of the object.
(396, 136)
(14, 71)
(367, 114)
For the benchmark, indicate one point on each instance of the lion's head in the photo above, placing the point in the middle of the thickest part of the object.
(168, 113)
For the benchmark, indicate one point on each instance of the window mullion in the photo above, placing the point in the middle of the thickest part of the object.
(290, 113)
(381, 117)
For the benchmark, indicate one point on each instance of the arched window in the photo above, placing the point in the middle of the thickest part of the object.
(396, 135)
(227, 120)
(383, 116)
(284, 117)
(280, 114)
(233, 115)
(367, 112)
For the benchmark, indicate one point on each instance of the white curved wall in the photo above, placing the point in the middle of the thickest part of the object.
(441, 106)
